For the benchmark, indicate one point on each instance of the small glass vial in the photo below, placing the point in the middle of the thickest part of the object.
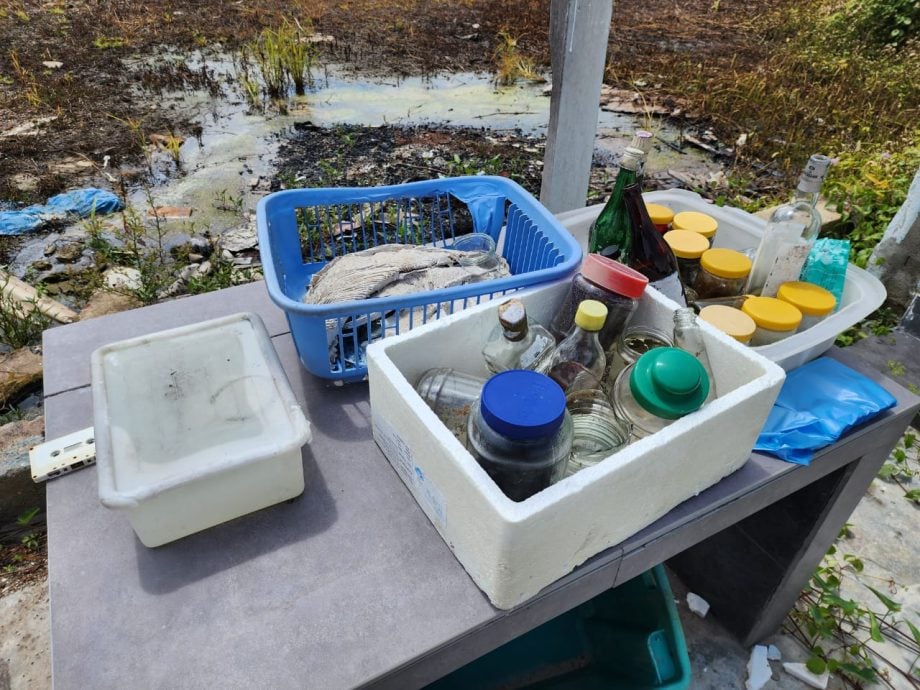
(598, 432)
(723, 273)
(520, 432)
(688, 336)
(813, 301)
(450, 394)
(731, 321)
(775, 319)
(635, 342)
(661, 216)
(695, 221)
(517, 343)
(479, 248)
(579, 360)
(659, 387)
(688, 247)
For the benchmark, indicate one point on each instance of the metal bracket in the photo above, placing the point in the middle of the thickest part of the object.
(62, 455)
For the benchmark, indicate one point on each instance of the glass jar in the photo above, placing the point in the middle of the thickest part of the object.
(614, 285)
(688, 247)
(598, 432)
(694, 221)
(579, 360)
(479, 248)
(450, 394)
(517, 342)
(661, 216)
(813, 301)
(520, 432)
(731, 321)
(635, 341)
(775, 319)
(659, 387)
(688, 336)
(723, 273)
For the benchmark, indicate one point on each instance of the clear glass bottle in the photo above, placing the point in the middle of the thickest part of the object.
(597, 431)
(520, 432)
(649, 253)
(632, 344)
(579, 360)
(688, 336)
(451, 395)
(517, 342)
(611, 231)
(790, 233)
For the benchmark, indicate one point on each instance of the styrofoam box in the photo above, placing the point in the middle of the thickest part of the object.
(513, 550)
(862, 292)
(195, 426)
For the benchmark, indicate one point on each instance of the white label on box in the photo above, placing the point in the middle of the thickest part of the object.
(397, 450)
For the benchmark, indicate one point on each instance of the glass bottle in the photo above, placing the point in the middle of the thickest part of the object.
(790, 233)
(579, 360)
(688, 336)
(649, 253)
(517, 342)
(611, 232)
(450, 394)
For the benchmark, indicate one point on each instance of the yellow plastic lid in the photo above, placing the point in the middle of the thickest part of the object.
(591, 315)
(730, 321)
(772, 313)
(726, 263)
(660, 215)
(695, 222)
(810, 299)
(686, 244)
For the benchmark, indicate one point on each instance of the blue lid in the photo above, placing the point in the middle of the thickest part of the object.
(522, 404)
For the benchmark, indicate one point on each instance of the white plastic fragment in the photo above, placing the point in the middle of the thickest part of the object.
(773, 653)
(801, 672)
(758, 669)
(697, 604)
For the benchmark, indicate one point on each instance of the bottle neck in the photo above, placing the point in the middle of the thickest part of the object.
(516, 334)
(804, 195)
(684, 318)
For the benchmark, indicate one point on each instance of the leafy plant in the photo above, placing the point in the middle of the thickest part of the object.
(903, 466)
(21, 323)
(284, 57)
(881, 322)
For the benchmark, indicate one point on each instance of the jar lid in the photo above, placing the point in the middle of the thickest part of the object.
(522, 404)
(730, 321)
(686, 244)
(613, 276)
(810, 299)
(726, 263)
(669, 382)
(772, 313)
(660, 215)
(591, 315)
(696, 222)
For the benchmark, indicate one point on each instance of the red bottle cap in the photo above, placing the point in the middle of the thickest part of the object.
(613, 276)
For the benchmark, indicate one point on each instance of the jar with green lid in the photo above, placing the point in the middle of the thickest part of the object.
(634, 342)
(695, 221)
(813, 301)
(775, 319)
(688, 247)
(662, 385)
(661, 216)
(731, 321)
(723, 273)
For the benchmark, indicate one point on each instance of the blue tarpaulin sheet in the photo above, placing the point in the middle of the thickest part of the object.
(79, 203)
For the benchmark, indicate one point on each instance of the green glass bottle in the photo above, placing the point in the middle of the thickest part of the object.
(611, 232)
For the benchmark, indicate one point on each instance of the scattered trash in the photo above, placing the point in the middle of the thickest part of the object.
(29, 298)
(801, 672)
(53, 64)
(773, 653)
(758, 669)
(80, 203)
(238, 239)
(697, 604)
(170, 212)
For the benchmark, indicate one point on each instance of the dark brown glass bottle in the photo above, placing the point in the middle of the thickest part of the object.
(649, 253)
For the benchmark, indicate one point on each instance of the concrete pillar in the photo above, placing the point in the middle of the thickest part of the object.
(579, 30)
(896, 258)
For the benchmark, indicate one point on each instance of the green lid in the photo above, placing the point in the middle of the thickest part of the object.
(669, 382)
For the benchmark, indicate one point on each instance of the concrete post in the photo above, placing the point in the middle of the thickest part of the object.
(579, 30)
(896, 258)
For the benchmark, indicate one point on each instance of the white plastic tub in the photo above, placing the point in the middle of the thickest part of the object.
(862, 292)
(195, 426)
(513, 550)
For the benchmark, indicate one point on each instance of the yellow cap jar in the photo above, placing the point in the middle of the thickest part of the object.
(723, 273)
(731, 321)
(688, 247)
(812, 300)
(661, 216)
(695, 221)
(775, 319)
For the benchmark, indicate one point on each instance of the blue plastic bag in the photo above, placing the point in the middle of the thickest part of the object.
(80, 203)
(819, 402)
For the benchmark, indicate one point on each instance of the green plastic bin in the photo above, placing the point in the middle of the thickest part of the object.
(628, 638)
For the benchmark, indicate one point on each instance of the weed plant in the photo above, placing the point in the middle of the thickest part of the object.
(510, 65)
(20, 324)
(284, 57)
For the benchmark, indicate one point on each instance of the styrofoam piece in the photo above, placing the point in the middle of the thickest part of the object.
(801, 672)
(862, 292)
(758, 669)
(513, 550)
(697, 604)
(195, 426)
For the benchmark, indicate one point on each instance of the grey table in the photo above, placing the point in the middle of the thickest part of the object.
(349, 585)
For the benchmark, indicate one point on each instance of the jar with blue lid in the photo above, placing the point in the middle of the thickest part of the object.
(520, 432)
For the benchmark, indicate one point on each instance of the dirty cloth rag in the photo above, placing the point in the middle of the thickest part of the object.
(79, 203)
(819, 402)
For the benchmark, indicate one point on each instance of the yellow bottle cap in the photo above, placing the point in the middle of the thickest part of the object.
(660, 215)
(726, 263)
(810, 299)
(772, 313)
(730, 321)
(686, 244)
(695, 222)
(591, 315)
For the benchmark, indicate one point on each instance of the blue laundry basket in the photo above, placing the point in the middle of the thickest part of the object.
(300, 230)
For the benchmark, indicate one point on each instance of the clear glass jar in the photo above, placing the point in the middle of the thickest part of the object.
(632, 344)
(579, 360)
(480, 248)
(723, 273)
(520, 432)
(813, 301)
(451, 395)
(517, 342)
(775, 319)
(598, 432)
(688, 247)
